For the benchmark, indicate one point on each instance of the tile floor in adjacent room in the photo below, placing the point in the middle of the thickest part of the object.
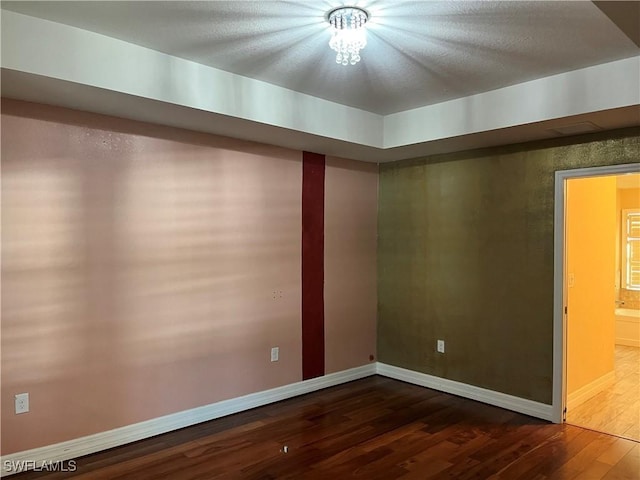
(615, 410)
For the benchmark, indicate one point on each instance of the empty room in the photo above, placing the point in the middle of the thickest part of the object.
(289, 239)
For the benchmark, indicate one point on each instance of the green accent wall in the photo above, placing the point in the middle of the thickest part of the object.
(465, 254)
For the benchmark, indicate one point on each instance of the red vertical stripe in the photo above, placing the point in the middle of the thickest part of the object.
(312, 265)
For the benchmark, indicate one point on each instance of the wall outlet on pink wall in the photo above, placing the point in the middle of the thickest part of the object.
(22, 403)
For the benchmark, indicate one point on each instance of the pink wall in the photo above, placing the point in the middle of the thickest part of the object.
(145, 271)
(350, 291)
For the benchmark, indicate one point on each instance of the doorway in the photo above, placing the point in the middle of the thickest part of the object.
(596, 362)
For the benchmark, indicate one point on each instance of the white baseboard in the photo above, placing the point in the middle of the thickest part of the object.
(509, 402)
(138, 431)
(589, 390)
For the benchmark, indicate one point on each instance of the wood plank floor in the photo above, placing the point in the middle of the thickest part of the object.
(615, 410)
(374, 428)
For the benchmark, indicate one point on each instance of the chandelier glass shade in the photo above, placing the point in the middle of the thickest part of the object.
(348, 34)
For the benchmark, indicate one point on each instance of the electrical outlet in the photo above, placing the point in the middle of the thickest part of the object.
(440, 346)
(22, 403)
(275, 354)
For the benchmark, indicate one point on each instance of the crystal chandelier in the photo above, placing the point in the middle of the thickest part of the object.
(348, 33)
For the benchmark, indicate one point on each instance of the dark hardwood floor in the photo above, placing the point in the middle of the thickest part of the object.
(375, 428)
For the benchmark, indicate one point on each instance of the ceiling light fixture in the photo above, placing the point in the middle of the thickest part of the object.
(348, 34)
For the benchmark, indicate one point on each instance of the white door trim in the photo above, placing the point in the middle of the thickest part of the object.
(559, 323)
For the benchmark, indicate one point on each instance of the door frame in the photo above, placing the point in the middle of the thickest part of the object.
(559, 395)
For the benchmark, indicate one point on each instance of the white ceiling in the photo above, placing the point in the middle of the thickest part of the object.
(418, 53)
(435, 76)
